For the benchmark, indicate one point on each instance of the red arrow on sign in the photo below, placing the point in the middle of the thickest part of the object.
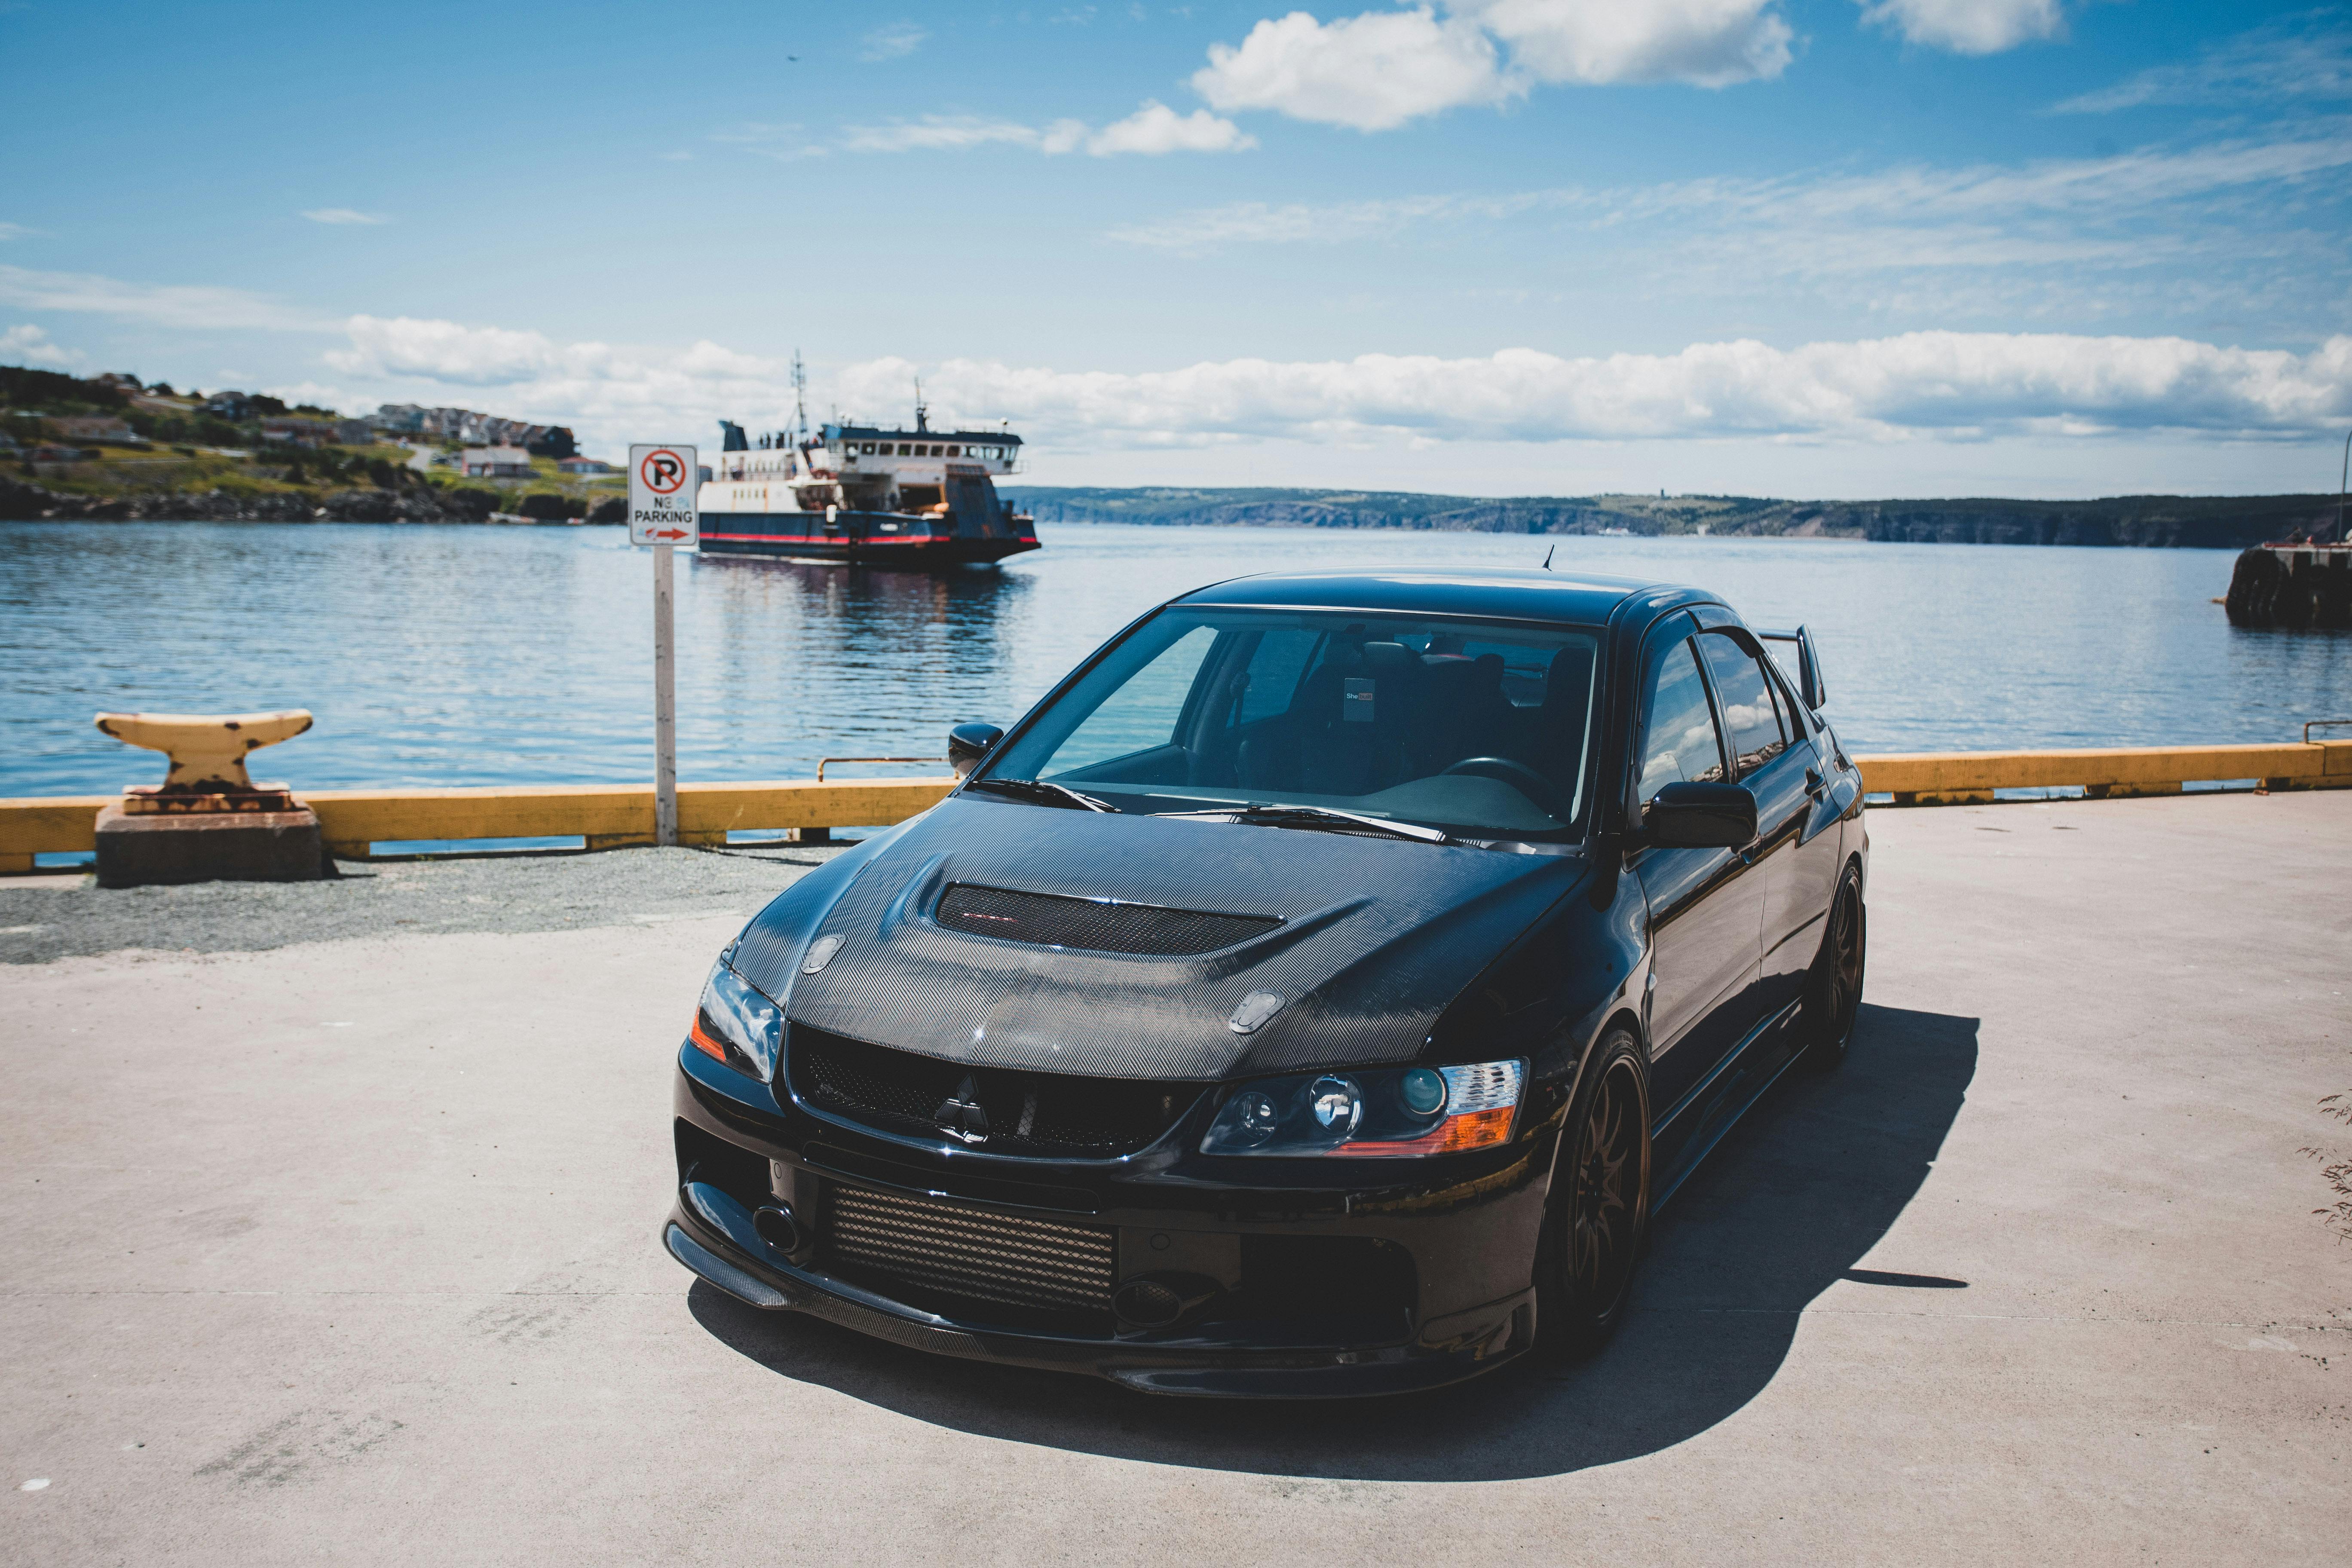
(666, 533)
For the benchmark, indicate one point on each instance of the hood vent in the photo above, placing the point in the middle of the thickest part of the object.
(1097, 925)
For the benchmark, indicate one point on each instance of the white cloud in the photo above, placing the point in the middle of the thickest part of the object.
(1153, 129)
(1370, 72)
(164, 304)
(1156, 129)
(1968, 26)
(894, 41)
(30, 345)
(940, 133)
(1379, 69)
(1707, 43)
(345, 216)
(17, 231)
(1908, 215)
(446, 351)
(2279, 63)
(1939, 385)
(310, 392)
(1918, 386)
(786, 144)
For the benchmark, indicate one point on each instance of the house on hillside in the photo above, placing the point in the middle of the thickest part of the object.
(232, 406)
(87, 427)
(494, 463)
(405, 418)
(584, 468)
(293, 431)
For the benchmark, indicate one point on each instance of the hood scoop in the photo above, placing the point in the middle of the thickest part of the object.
(1094, 925)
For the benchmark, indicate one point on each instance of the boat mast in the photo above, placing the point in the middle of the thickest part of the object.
(799, 402)
(922, 414)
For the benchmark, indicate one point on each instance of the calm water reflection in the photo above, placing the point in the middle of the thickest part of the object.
(467, 655)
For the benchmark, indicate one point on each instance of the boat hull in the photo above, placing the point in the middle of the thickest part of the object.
(899, 541)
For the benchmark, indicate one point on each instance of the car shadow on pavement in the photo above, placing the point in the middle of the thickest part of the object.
(1789, 1204)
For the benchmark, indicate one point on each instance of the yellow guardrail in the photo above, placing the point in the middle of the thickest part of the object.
(609, 816)
(1963, 778)
(615, 816)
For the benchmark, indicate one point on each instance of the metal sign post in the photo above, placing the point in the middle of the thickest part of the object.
(664, 512)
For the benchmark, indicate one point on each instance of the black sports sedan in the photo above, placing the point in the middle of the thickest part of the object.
(1316, 993)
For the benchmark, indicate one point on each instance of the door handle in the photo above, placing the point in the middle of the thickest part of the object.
(1815, 786)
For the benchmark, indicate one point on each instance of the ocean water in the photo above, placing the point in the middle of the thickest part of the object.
(468, 655)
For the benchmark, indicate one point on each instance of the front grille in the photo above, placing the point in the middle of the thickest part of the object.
(1094, 925)
(1040, 1115)
(941, 1257)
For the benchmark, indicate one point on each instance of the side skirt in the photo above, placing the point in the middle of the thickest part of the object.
(1737, 1061)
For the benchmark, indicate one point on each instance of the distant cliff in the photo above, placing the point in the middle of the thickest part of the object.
(2191, 521)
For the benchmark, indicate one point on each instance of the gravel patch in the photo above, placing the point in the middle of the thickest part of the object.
(56, 918)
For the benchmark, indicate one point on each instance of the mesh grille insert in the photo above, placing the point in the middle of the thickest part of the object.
(1041, 1114)
(936, 1254)
(1052, 920)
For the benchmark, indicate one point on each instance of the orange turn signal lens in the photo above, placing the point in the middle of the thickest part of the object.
(703, 1041)
(1472, 1130)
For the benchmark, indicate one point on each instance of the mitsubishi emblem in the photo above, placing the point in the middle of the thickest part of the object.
(961, 1116)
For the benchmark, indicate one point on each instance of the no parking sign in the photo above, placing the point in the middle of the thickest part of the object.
(665, 504)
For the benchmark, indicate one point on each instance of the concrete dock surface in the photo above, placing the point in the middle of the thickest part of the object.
(346, 1250)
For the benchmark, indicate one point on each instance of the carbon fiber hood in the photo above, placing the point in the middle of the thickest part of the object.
(1377, 935)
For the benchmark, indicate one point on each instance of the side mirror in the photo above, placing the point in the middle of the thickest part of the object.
(967, 743)
(1700, 817)
(1808, 672)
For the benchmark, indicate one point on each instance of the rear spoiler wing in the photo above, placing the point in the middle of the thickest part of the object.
(1809, 664)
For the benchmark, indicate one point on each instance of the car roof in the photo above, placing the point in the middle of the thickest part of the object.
(1509, 593)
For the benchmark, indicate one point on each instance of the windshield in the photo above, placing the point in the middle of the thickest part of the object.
(1479, 728)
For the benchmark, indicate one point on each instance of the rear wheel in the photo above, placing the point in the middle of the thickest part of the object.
(1833, 990)
(1599, 1205)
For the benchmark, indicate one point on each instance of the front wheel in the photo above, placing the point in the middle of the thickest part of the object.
(1599, 1205)
(1833, 990)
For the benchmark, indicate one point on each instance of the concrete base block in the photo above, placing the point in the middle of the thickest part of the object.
(223, 846)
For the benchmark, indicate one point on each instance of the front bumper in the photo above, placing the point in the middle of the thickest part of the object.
(1458, 1234)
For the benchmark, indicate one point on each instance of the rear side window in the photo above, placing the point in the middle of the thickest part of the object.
(1678, 743)
(1750, 714)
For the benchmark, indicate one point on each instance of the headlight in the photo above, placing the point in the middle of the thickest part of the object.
(1388, 1113)
(737, 1025)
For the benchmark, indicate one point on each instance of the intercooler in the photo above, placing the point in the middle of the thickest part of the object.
(937, 1255)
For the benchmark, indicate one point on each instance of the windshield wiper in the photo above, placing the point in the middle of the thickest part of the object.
(1039, 792)
(1321, 817)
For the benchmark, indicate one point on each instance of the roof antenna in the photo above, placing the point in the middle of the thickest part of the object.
(1548, 549)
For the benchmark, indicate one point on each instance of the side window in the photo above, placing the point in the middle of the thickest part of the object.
(1140, 714)
(1750, 715)
(1678, 743)
(1280, 658)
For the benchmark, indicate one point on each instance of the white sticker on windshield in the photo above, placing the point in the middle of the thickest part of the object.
(1356, 701)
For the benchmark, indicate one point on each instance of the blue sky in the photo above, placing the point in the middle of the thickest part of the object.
(1815, 247)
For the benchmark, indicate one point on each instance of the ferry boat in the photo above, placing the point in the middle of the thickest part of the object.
(866, 495)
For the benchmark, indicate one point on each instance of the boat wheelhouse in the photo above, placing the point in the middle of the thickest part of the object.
(865, 494)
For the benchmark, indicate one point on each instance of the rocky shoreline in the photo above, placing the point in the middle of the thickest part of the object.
(2211, 523)
(21, 502)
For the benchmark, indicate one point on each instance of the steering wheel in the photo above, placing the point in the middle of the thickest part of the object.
(1519, 776)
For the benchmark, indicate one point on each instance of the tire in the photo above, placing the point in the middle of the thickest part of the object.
(1833, 990)
(1599, 1207)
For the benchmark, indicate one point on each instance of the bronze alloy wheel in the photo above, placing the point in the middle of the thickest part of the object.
(1599, 1205)
(1833, 992)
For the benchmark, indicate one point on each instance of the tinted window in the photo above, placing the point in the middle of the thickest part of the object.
(1678, 743)
(1274, 670)
(1473, 727)
(1750, 711)
(1141, 713)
